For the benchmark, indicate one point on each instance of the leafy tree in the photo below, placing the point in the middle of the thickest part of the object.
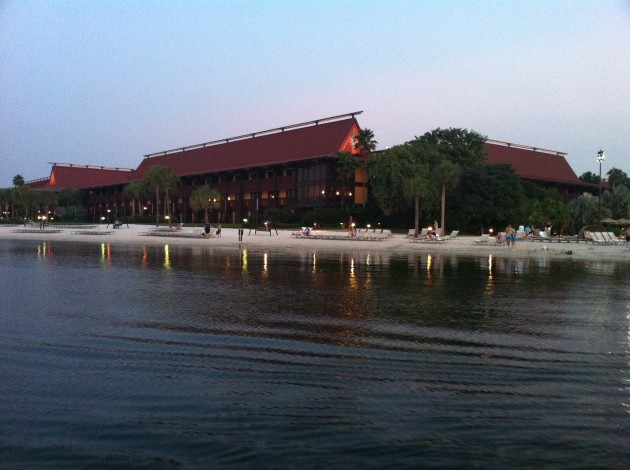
(364, 142)
(6, 197)
(488, 196)
(399, 176)
(618, 178)
(551, 211)
(617, 202)
(388, 171)
(584, 209)
(23, 197)
(203, 198)
(69, 197)
(69, 200)
(589, 177)
(459, 146)
(162, 179)
(45, 199)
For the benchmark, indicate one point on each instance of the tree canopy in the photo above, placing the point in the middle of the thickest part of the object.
(203, 198)
(162, 179)
(459, 146)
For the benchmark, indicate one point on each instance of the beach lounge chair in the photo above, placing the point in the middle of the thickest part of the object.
(433, 239)
(612, 238)
(484, 240)
(453, 234)
(421, 236)
(598, 238)
(499, 239)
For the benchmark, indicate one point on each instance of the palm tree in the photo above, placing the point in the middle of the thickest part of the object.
(416, 186)
(18, 180)
(583, 209)
(446, 174)
(23, 197)
(618, 177)
(347, 164)
(135, 192)
(203, 198)
(364, 142)
(162, 179)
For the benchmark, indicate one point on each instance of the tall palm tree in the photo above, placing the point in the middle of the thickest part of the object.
(416, 187)
(5, 200)
(18, 180)
(347, 164)
(584, 209)
(203, 198)
(364, 141)
(135, 192)
(162, 179)
(618, 177)
(446, 174)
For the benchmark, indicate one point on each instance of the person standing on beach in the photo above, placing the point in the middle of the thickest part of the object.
(206, 229)
(628, 236)
(510, 236)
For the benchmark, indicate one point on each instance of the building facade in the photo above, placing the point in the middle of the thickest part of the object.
(287, 168)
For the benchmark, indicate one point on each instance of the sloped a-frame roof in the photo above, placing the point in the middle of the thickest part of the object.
(317, 139)
(532, 163)
(66, 175)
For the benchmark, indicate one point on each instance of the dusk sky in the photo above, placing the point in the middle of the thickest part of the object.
(106, 82)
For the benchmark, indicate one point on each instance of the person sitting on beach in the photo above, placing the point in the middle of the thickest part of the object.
(218, 232)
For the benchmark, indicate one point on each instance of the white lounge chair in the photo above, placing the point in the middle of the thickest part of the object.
(612, 238)
(453, 234)
(421, 236)
(485, 238)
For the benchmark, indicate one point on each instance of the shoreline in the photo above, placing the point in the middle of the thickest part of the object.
(460, 246)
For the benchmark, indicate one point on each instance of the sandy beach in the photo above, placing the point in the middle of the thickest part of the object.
(283, 240)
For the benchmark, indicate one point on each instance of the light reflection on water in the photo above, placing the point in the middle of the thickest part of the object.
(167, 356)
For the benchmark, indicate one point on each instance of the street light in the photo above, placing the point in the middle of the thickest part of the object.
(600, 158)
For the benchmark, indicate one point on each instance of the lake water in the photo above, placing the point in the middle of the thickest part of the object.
(179, 357)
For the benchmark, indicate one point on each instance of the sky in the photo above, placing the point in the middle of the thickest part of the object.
(106, 82)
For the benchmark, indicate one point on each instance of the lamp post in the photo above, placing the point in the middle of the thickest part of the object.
(600, 158)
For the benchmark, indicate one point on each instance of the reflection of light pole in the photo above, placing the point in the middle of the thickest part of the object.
(600, 159)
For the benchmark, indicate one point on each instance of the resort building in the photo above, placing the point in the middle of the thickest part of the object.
(548, 168)
(288, 168)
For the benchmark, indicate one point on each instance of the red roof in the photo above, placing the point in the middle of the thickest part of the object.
(71, 176)
(532, 163)
(276, 147)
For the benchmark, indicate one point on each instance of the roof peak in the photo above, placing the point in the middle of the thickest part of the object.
(91, 167)
(524, 147)
(257, 134)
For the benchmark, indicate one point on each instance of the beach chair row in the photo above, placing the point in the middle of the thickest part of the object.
(543, 237)
(344, 236)
(173, 234)
(604, 238)
(423, 236)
